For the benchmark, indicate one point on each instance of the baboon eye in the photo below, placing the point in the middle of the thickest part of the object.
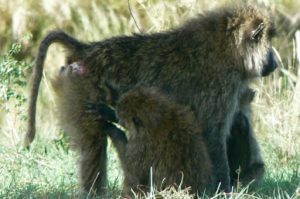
(256, 34)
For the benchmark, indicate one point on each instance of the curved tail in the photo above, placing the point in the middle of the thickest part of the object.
(67, 41)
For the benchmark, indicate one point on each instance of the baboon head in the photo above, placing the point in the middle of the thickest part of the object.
(134, 109)
(150, 110)
(233, 39)
(253, 39)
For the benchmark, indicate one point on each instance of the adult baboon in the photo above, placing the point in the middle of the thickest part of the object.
(162, 135)
(205, 64)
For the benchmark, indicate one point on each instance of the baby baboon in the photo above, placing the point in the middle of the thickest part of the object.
(162, 135)
(244, 157)
(205, 64)
(84, 128)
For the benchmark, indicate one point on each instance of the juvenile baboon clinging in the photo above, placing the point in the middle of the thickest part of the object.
(205, 64)
(244, 157)
(162, 135)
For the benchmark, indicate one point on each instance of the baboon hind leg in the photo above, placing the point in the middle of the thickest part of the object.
(93, 168)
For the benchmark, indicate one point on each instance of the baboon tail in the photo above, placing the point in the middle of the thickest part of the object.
(67, 41)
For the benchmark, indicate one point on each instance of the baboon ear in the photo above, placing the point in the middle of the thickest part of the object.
(257, 31)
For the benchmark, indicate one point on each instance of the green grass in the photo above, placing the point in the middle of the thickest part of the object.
(44, 171)
(49, 169)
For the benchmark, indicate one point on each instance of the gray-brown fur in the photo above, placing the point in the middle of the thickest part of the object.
(164, 136)
(204, 64)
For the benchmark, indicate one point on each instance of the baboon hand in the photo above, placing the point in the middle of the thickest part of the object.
(102, 110)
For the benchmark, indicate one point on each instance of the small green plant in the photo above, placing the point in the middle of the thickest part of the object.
(12, 77)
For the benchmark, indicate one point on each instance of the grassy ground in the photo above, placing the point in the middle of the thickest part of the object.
(49, 169)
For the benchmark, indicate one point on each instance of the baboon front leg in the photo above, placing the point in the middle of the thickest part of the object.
(93, 159)
(221, 167)
(218, 153)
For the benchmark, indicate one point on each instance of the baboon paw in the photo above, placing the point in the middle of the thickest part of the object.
(101, 110)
